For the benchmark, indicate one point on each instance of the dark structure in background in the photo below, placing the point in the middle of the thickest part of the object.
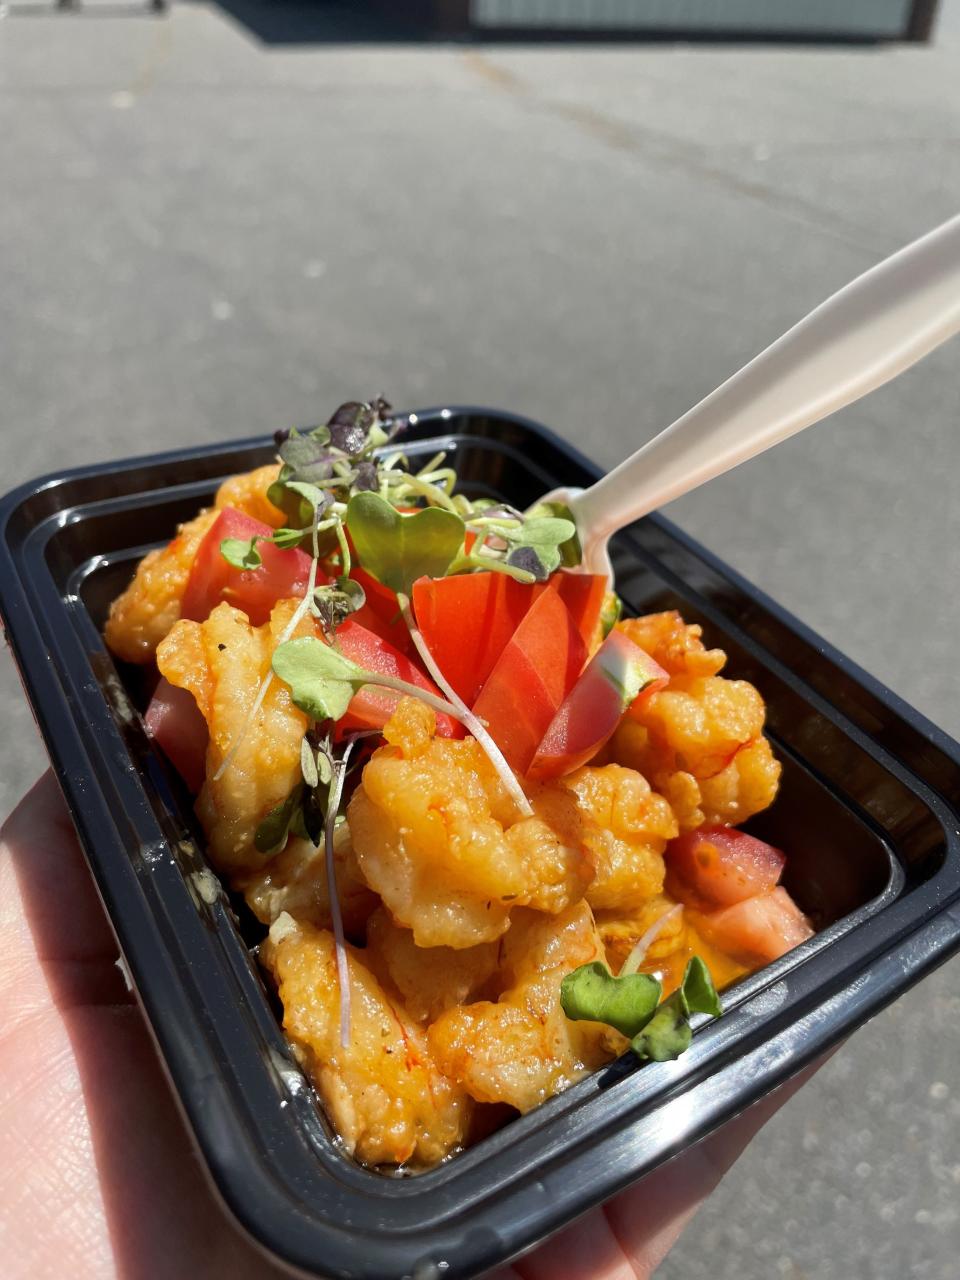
(350, 21)
(686, 19)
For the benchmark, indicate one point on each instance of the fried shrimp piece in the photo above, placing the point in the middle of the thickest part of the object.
(621, 930)
(430, 979)
(698, 723)
(295, 881)
(523, 1048)
(247, 492)
(141, 617)
(145, 612)
(674, 644)
(747, 786)
(627, 830)
(222, 662)
(440, 840)
(383, 1092)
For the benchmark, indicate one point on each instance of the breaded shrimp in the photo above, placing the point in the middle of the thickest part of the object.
(438, 837)
(145, 612)
(626, 829)
(247, 492)
(674, 644)
(430, 979)
(295, 881)
(522, 1048)
(698, 723)
(222, 662)
(747, 785)
(620, 930)
(383, 1093)
(141, 617)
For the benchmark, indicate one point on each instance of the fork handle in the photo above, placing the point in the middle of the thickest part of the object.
(861, 337)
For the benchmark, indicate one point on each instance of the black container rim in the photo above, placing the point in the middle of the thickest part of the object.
(578, 1148)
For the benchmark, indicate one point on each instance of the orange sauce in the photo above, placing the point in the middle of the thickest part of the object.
(724, 969)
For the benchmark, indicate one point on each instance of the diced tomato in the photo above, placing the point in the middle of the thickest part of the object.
(381, 613)
(636, 708)
(282, 574)
(372, 707)
(594, 706)
(177, 726)
(723, 866)
(468, 619)
(583, 594)
(533, 675)
(761, 928)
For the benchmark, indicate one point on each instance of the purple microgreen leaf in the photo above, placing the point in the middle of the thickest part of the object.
(366, 478)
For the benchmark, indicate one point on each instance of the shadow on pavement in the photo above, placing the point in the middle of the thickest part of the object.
(319, 22)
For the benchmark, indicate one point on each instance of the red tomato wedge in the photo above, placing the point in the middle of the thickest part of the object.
(583, 594)
(615, 675)
(282, 574)
(533, 675)
(761, 928)
(177, 726)
(724, 866)
(468, 619)
(372, 707)
(381, 613)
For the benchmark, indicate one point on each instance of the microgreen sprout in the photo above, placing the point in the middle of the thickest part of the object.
(630, 1003)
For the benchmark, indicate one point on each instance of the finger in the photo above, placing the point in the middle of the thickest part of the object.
(648, 1218)
(55, 882)
(629, 1237)
(588, 1250)
(50, 912)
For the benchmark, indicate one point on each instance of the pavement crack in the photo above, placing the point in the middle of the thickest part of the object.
(669, 153)
(157, 54)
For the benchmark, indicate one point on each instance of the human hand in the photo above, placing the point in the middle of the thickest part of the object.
(98, 1177)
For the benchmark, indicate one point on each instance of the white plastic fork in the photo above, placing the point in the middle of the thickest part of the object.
(881, 323)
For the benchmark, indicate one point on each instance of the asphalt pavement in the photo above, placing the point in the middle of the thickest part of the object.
(229, 219)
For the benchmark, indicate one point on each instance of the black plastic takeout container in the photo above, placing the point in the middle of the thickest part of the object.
(867, 814)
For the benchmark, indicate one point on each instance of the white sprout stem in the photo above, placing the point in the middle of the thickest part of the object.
(436, 461)
(463, 712)
(340, 945)
(488, 561)
(431, 492)
(346, 563)
(636, 957)
(289, 629)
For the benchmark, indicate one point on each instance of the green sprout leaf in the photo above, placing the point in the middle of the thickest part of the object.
(536, 544)
(697, 990)
(668, 1033)
(242, 553)
(571, 553)
(271, 835)
(397, 549)
(594, 994)
(308, 764)
(321, 680)
(315, 498)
